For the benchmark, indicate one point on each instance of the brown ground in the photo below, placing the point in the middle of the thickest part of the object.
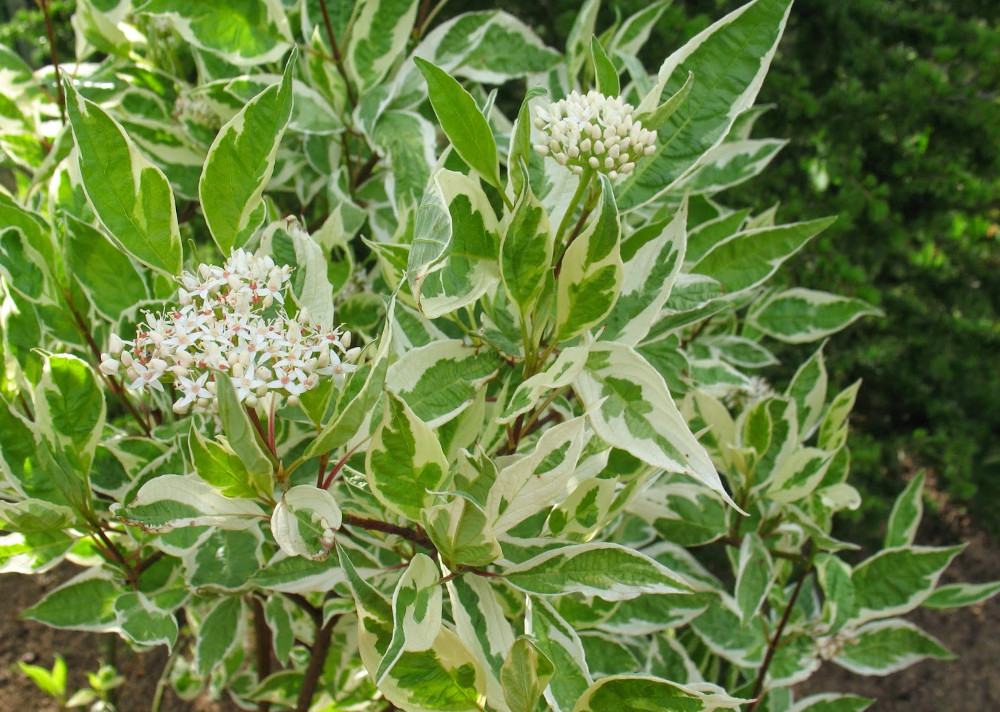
(972, 684)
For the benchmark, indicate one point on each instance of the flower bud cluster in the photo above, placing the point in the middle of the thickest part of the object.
(593, 131)
(231, 319)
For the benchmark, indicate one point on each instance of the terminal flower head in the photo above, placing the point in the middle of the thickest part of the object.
(231, 319)
(593, 131)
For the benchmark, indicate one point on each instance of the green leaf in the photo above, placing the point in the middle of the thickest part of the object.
(33, 552)
(378, 39)
(131, 197)
(143, 622)
(526, 248)
(906, 513)
(416, 612)
(896, 581)
(630, 407)
(240, 163)
(838, 591)
(525, 675)
(243, 32)
(884, 647)
(51, 683)
(241, 435)
(104, 271)
(604, 70)
(537, 480)
(85, 602)
(754, 576)
(303, 521)
(440, 380)
(591, 274)
(808, 390)
(797, 316)
(462, 122)
(609, 571)
(454, 257)
(959, 595)
(652, 259)
(404, 462)
(729, 60)
(832, 702)
(637, 693)
(747, 259)
(169, 501)
(220, 467)
(219, 633)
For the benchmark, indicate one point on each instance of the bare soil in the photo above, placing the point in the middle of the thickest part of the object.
(971, 684)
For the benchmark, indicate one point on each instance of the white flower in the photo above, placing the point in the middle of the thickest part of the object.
(220, 326)
(593, 131)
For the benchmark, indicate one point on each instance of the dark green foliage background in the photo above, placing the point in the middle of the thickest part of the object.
(893, 111)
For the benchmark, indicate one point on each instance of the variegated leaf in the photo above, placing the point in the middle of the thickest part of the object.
(453, 260)
(630, 407)
(404, 463)
(798, 316)
(536, 480)
(240, 163)
(712, 106)
(652, 256)
(440, 380)
(590, 278)
(169, 501)
(304, 520)
(131, 197)
(608, 571)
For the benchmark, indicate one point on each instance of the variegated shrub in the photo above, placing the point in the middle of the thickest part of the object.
(360, 394)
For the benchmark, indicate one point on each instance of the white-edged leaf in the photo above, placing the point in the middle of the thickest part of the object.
(895, 581)
(240, 163)
(609, 571)
(440, 380)
(653, 256)
(630, 407)
(416, 612)
(639, 693)
(131, 197)
(538, 479)
(906, 513)
(754, 576)
(304, 520)
(404, 462)
(884, 647)
(798, 315)
(170, 501)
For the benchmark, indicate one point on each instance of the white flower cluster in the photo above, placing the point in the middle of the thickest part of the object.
(224, 324)
(594, 131)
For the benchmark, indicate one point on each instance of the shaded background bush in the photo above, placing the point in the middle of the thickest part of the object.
(892, 108)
